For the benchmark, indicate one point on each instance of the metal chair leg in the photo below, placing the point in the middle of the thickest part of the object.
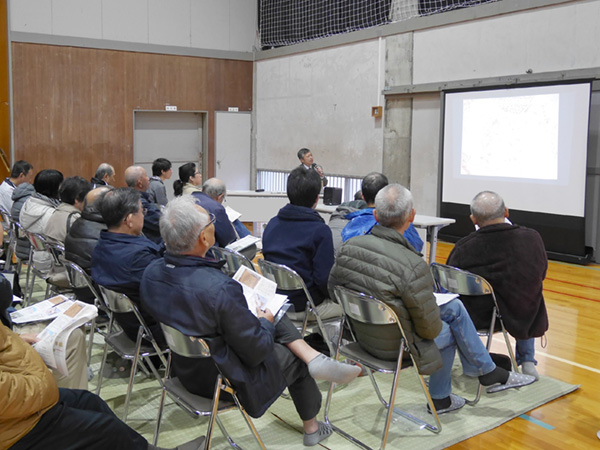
(134, 365)
(101, 372)
(162, 401)
(213, 414)
(91, 340)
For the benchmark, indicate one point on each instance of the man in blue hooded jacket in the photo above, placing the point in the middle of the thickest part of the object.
(362, 221)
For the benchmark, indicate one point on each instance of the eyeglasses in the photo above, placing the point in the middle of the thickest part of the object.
(144, 211)
(210, 222)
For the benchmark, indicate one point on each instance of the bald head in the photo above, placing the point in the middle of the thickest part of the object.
(215, 189)
(487, 208)
(93, 195)
(137, 178)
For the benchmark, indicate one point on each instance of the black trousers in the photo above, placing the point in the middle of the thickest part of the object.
(303, 388)
(198, 375)
(81, 421)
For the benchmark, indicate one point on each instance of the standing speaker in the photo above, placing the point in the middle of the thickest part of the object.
(332, 196)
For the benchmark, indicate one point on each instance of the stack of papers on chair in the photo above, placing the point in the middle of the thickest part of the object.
(442, 299)
(243, 243)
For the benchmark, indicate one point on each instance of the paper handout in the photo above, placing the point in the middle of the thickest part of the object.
(67, 315)
(259, 291)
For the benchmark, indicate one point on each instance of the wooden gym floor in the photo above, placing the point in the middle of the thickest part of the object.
(572, 295)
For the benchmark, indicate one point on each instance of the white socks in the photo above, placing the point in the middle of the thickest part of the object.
(324, 368)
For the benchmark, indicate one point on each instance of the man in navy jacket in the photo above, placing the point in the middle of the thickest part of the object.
(211, 199)
(137, 178)
(123, 253)
(299, 238)
(258, 357)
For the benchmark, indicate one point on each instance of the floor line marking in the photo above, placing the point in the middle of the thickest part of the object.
(556, 358)
(536, 421)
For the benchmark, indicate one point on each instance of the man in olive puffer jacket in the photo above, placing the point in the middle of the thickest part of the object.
(384, 265)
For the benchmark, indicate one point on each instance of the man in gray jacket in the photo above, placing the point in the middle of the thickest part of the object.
(383, 264)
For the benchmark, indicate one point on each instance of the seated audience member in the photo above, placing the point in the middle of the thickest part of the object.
(36, 414)
(513, 260)
(22, 172)
(362, 221)
(122, 253)
(105, 176)
(38, 209)
(85, 231)
(383, 264)
(299, 238)
(72, 193)
(257, 357)
(161, 171)
(211, 198)
(76, 351)
(337, 220)
(307, 161)
(137, 178)
(20, 195)
(190, 180)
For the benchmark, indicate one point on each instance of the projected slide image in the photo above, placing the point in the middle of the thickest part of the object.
(512, 137)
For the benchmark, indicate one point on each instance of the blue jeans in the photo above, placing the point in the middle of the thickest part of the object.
(459, 332)
(525, 351)
(240, 228)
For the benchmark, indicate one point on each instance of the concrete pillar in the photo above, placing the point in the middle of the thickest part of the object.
(398, 111)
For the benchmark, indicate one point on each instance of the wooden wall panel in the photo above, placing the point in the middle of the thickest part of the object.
(73, 107)
(4, 89)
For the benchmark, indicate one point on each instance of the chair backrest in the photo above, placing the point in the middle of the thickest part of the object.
(460, 281)
(78, 277)
(117, 302)
(5, 217)
(374, 324)
(234, 260)
(56, 250)
(364, 308)
(19, 230)
(37, 241)
(287, 279)
(184, 345)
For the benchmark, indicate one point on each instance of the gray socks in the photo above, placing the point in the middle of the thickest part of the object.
(528, 368)
(322, 433)
(324, 368)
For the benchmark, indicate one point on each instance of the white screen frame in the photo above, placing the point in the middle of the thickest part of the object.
(565, 196)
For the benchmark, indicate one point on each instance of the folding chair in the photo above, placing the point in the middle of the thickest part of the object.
(233, 260)
(365, 312)
(289, 280)
(20, 234)
(80, 279)
(40, 243)
(125, 347)
(10, 244)
(195, 405)
(461, 282)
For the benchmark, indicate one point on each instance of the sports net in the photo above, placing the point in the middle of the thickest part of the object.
(287, 22)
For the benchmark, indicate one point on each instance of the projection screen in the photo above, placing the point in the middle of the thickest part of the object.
(529, 144)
